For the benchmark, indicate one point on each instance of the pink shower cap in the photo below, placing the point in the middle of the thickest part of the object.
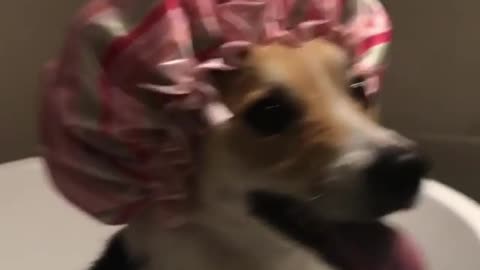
(125, 106)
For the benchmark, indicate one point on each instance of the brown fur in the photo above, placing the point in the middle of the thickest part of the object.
(315, 76)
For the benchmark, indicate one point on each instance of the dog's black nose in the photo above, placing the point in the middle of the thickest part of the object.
(395, 175)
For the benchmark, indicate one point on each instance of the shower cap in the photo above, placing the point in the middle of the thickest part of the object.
(125, 106)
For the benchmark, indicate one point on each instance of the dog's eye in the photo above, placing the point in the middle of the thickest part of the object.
(358, 91)
(272, 114)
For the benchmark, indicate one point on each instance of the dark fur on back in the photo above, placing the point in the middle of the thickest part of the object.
(115, 257)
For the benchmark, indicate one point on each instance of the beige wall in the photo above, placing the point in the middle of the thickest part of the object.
(431, 94)
(31, 31)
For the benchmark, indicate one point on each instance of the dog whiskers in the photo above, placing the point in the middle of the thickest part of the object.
(315, 197)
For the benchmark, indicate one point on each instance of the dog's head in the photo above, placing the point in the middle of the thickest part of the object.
(300, 129)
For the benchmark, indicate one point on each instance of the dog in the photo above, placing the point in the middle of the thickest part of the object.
(301, 169)
(231, 134)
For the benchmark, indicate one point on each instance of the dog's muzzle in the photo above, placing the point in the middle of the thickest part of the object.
(394, 177)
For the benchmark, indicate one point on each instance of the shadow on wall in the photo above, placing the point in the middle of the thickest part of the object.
(432, 91)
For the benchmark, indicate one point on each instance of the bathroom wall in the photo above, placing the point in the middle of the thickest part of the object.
(31, 31)
(432, 91)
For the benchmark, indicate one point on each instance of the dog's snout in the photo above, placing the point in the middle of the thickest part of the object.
(396, 175)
